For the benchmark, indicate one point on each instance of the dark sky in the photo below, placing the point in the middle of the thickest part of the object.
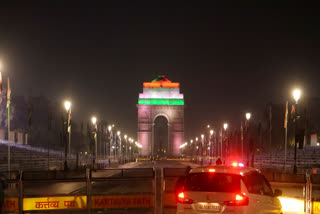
(229, 58)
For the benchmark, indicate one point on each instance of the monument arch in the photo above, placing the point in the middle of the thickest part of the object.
(161, 97)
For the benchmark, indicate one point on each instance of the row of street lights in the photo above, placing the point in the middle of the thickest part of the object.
(217, 150)
(119, 148)
(212, 146)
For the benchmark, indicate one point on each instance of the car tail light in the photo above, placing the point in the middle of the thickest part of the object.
(235, 164)
(212, 170)
(239, 200)
(183, 199)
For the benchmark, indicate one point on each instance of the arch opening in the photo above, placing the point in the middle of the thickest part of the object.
(161, 139)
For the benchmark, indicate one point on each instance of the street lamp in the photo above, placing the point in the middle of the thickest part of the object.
(126, 147)
(94, 120)
(202, 147)
(119, 145)
(94, 123)
(110, 140)
(248, 116)
(225, 126)
(211, 143)
(296, 96)
(67, 106)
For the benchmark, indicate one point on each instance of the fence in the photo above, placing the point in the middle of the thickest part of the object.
(135, 190)
(84, 191)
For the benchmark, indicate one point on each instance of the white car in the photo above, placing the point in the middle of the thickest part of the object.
(226, 189)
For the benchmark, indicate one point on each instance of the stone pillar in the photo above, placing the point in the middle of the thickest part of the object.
(12, 135)
(145, 129)
(20, 137)
(25, 139)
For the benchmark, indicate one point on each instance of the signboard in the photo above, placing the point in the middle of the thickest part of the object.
(55, 203)
(316, 207)
(10, 205)
(122, 201)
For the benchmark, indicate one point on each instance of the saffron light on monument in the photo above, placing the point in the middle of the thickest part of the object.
(161, 97)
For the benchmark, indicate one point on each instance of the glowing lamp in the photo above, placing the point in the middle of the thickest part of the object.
(67, 105)
(248, 116)
(296, 94)
(94, 120)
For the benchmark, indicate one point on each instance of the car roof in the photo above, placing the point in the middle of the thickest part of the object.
(223, 169)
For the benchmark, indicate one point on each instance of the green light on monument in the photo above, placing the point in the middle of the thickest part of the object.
(142, 101)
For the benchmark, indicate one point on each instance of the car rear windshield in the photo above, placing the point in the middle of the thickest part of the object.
(212, 182)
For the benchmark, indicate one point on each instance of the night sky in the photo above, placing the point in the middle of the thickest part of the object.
(229, 59)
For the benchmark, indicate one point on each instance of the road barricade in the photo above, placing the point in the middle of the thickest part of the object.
(86, 191)
(169, 178)
(122, 189)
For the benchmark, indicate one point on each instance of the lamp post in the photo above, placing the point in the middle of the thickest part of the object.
(211, 143)
(225, 127)
(296, 97)
(126, 147)
(197, 151)
(110, 140)
(67, 106)
(202, 148)
(119, 146)
(132, 148)
(94, 123)
(248, 116)
(192, 149)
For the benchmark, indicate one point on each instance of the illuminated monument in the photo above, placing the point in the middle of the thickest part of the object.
(161, 97)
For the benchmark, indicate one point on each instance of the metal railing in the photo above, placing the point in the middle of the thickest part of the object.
(83, 191)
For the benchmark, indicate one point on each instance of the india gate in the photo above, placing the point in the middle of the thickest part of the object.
(161, 101)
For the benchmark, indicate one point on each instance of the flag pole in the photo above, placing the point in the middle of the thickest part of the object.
(8, 109)
(286, 135)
